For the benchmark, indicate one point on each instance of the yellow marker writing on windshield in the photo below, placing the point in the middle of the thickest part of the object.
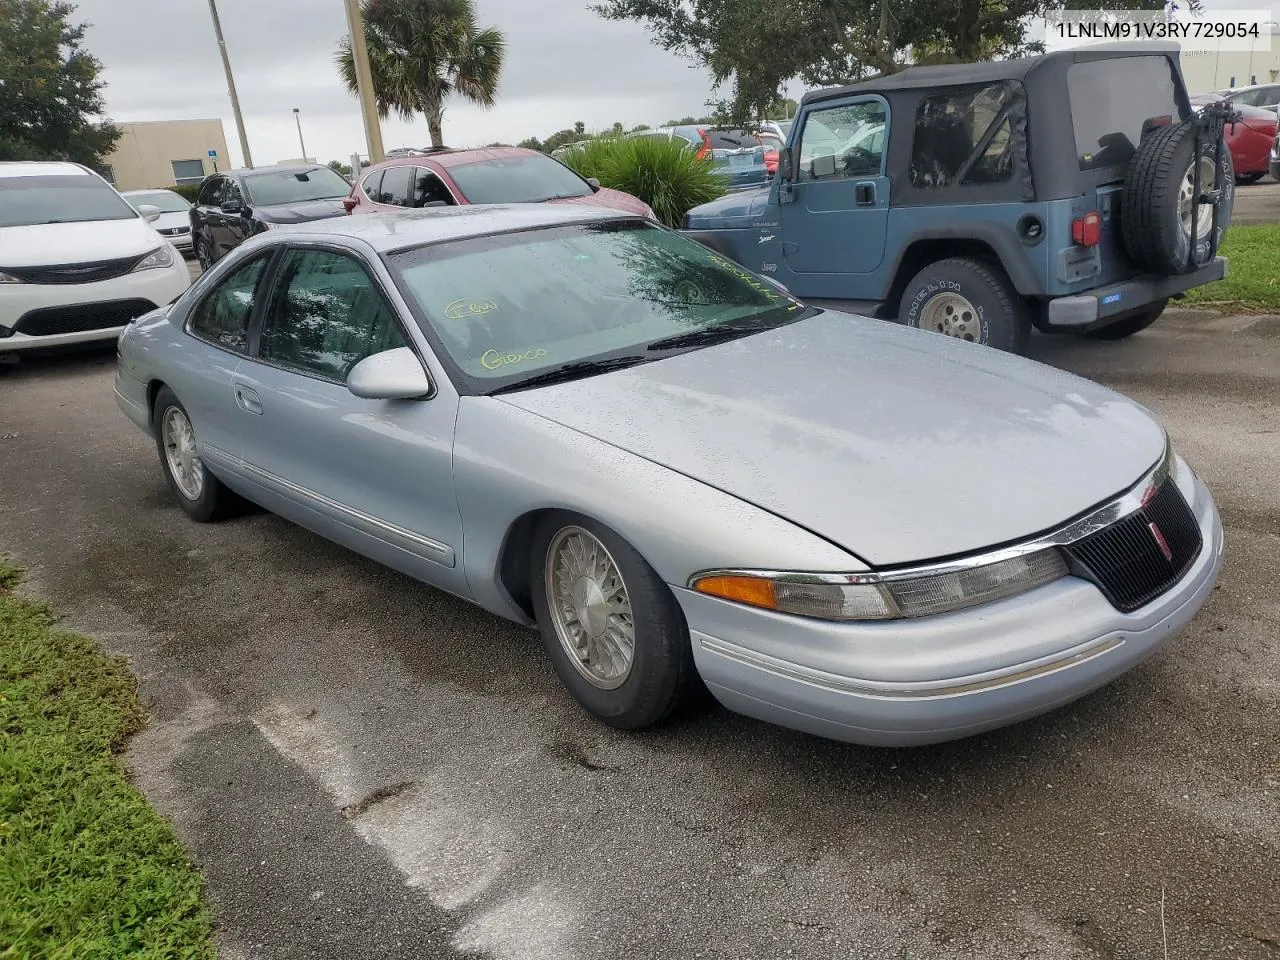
(497, 359)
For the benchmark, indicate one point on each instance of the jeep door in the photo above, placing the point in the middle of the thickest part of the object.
(835, 220)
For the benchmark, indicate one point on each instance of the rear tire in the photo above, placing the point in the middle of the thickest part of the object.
(1245, 179)
(589, 587)
(1127, 327)
(970, 300)
(198, 491)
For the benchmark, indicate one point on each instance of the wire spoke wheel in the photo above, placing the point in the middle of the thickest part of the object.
(180, 453)
(590, 607)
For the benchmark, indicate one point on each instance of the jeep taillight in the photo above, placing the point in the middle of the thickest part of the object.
(1087, 230)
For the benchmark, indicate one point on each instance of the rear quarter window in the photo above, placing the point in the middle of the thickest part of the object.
(963, 136)
(1114, 101)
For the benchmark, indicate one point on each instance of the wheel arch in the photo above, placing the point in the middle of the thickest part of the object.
(989, 243)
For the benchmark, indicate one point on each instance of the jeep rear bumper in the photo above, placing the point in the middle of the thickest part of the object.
(1120, 299)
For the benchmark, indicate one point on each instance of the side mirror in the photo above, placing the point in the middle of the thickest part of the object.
(784, 164)
(232, 206)
(391, 375)
(149, 212)
(349, 203)
(594, 184)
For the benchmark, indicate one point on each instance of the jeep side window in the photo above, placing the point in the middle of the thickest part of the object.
(842, 142)
(963, 137)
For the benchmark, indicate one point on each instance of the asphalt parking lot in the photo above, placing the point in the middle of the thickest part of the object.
(364, 767)
(1259, 203)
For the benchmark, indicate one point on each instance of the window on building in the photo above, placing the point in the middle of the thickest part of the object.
(188, 171)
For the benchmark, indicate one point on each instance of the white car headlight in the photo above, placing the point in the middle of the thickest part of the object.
(160, 257)
(871, 596)
(8, 278)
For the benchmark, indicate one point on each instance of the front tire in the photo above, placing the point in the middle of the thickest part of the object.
(614, 632)
(969, 300)
(203, 254)
(199, 492)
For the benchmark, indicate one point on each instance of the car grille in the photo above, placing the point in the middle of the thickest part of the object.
(173, 231)
(75, 272)
(79, 317)
(1126, 559)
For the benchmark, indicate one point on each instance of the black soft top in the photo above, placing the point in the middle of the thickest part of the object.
(990, 71)
(1046, 164)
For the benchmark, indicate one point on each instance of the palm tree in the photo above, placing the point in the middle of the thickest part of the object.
(423, 51)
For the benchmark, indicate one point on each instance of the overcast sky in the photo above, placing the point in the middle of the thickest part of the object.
(563, 64)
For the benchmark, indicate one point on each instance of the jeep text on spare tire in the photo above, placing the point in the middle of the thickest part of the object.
(979, 200)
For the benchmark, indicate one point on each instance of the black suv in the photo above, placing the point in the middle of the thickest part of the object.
(233, 206)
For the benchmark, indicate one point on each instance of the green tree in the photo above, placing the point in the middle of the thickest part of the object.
(783, 108)
(758, 45)
(50, 93)
(532, 143)
(421, 52)
(338, 167)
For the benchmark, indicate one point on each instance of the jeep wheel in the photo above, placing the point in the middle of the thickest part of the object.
(969, 300)
(1156, 211)
(1128, 326)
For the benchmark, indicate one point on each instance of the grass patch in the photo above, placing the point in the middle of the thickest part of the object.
(1252, 284)
(87, 870)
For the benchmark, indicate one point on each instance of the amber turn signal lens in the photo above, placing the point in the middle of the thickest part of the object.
(753, 590)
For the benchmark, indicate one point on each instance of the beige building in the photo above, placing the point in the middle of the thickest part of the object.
(167, 152)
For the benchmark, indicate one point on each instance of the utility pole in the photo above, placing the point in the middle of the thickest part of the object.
(231, 84)
(298, 117)
(364, 82)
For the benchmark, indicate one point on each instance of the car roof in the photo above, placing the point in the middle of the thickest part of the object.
(452, 158)
(401, 229)
(282, 168)
(35, 168)
(953, 74)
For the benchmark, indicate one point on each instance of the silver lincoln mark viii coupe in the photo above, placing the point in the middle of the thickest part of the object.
(583, 421)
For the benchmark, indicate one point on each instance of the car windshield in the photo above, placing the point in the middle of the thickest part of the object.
(59, 198)
(166, 200)
(520, 179)
(514, 306)
(295, 186)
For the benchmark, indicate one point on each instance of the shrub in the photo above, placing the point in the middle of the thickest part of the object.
(188, 191)
(665, 174)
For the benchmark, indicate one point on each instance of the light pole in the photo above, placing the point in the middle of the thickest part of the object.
(364, 82)
(298, 119)
(231, 84)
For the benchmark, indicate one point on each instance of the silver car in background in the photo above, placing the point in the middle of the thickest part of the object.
(174, 222)
(582, 421)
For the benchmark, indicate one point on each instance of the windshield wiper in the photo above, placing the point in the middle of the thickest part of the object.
(572, 371)
(709, 335)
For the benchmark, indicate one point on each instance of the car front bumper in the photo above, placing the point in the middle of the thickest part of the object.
(180, 240)
(908, 682)
(1116, 301)
(36, 316)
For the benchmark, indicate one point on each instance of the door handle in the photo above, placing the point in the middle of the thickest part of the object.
(247, 399)
(864, 194)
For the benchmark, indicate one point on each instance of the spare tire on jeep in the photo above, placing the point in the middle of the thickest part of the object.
(1155, 214)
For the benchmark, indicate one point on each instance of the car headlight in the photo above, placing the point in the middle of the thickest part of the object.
(159, 257)
(889, 596)
(8, 278)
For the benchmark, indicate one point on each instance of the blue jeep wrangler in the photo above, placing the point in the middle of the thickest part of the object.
(979, 200)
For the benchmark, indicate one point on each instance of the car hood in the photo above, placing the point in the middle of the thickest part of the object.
(55, 243)
(301, 212)
(729, 209)
(613, 199)
(898, 445)
(167, 221)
